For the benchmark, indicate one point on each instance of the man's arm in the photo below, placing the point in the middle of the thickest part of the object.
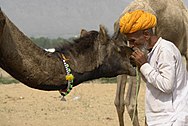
(163, 77)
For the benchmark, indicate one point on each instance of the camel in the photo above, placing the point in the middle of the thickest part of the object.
(172, 25)
(92, 56)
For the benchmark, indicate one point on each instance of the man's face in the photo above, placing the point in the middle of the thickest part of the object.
(137, 40)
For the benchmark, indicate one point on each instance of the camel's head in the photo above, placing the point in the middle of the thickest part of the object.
(111, 54)
(114, 54)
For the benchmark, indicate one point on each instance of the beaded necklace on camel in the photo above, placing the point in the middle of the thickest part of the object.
(69, 77)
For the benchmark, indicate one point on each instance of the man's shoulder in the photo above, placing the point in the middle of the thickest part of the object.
(167, 45)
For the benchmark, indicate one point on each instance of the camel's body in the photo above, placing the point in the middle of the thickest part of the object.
(172, 25)
(92, 56)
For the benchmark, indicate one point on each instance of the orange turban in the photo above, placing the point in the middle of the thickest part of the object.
(137, 20)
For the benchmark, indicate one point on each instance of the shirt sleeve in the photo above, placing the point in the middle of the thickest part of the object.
(163, 76)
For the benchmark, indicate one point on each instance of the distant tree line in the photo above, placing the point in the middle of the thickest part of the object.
(46, 42)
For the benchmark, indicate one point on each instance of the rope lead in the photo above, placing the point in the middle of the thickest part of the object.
(137, 90)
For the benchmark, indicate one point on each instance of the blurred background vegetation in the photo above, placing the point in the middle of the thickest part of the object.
(47, 43)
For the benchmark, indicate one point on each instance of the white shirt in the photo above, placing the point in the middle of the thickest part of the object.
(166, 86)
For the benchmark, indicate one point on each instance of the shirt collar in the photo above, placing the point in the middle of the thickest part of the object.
(156, 44)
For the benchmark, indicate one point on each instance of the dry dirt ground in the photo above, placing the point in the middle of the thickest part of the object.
(89, 104)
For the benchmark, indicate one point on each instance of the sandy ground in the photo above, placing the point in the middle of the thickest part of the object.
(89, 104)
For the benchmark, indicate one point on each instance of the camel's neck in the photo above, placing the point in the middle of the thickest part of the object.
(158, 6)
(26, 62)
(99, 72)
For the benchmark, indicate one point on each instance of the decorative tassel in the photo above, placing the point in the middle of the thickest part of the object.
(69, 77)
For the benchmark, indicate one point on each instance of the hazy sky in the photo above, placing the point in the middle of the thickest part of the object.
(62, 18)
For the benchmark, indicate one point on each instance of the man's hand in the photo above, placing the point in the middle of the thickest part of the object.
(139, 57)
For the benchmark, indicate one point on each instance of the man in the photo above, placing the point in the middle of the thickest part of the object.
(162, 69)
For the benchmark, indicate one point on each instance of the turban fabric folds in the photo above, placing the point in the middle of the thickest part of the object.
(137, 20)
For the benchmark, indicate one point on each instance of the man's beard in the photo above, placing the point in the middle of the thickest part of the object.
(144, 49)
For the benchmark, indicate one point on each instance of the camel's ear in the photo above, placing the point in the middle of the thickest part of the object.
(103, 37)
(83, 33)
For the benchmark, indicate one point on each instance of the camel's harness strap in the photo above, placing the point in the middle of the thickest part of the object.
(137, 90)
(69, 77)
